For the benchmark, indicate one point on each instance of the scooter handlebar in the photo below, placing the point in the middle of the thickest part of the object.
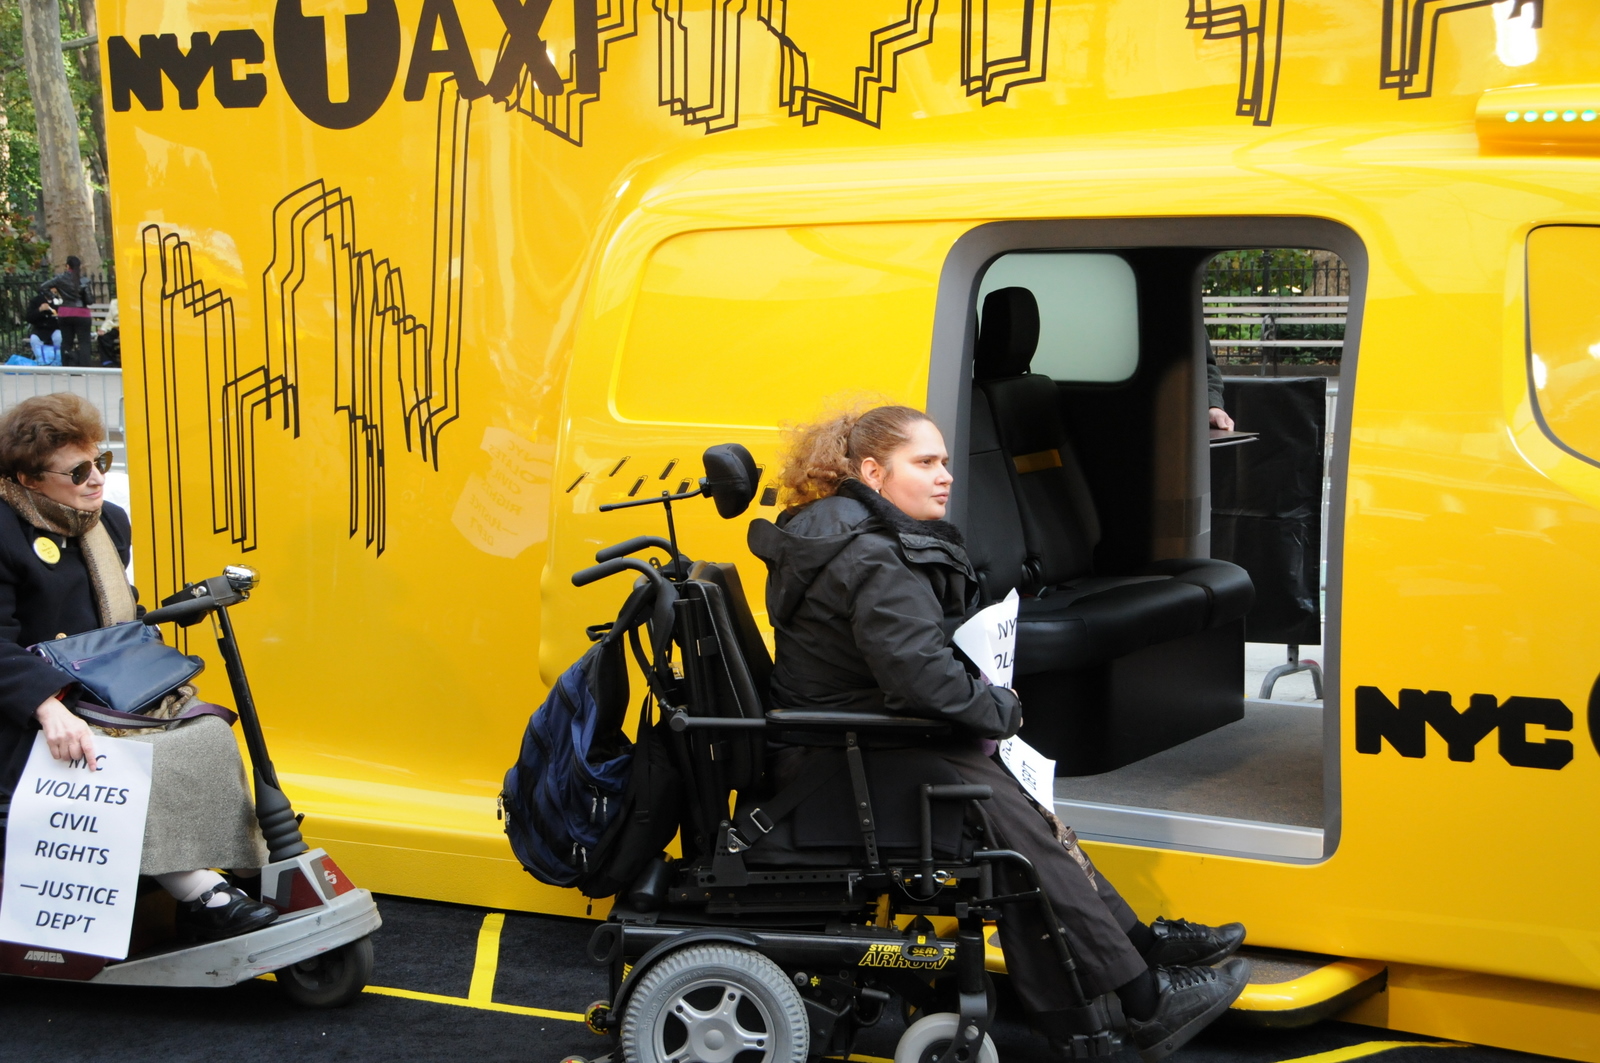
(181, 612)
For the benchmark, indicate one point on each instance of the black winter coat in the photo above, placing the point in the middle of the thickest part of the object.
(863, 599)
(39, 601)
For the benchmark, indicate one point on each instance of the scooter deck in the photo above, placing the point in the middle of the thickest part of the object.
(327, 911)
(294, 937)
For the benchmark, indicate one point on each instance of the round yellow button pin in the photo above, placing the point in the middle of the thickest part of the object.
(47, 550)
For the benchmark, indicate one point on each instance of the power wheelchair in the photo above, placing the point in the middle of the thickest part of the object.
(794, 922)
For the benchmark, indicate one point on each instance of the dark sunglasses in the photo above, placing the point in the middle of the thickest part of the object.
(80, 471)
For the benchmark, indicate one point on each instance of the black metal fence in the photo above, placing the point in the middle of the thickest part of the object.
(15, 291)
(1277, 306)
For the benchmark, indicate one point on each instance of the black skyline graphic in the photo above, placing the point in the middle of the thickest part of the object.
(1258, 27)
(383, 356)
(1411, 40)
(871, 80)
(993, 77)
(703, 49)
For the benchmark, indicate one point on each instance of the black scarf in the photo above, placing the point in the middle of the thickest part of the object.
(896, 518)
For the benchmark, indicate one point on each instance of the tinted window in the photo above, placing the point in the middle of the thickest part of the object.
(1088, 311)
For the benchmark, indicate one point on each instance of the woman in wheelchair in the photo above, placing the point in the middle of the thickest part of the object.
(866, 579)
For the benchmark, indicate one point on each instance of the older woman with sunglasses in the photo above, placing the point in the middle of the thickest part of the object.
(63, 556)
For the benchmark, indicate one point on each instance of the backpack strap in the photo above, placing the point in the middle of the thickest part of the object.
(756, 821)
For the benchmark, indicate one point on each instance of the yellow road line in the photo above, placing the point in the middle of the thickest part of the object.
(487, 962)
(464, 1002)
(1371, 1048)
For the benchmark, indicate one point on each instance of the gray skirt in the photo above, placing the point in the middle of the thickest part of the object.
(201, 813)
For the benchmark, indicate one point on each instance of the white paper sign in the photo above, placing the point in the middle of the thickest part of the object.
(1035, 771)
(990, 640)
(73, 845)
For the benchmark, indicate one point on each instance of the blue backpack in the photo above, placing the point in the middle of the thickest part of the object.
(584, 806)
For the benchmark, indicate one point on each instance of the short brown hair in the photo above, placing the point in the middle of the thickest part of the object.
(34, 429)
(824, 454)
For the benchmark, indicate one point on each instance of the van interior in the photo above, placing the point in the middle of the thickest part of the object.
(1089, 471)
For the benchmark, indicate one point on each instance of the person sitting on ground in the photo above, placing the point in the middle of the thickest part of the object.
(64, 552)
(865, 578)
(46, 329)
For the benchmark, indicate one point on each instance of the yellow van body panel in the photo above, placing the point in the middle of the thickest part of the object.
(394, 338)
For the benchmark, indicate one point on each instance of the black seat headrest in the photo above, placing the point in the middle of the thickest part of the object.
(1009, 335)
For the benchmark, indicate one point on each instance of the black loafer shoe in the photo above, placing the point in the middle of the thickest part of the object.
(1191, 999)
(1180, 943)
(239, 916)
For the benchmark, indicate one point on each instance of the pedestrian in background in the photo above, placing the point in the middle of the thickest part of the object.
(72, 313)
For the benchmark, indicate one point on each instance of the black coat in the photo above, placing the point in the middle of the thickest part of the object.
(863, 599)
(39, 601)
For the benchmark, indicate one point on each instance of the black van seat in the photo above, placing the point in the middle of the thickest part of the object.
(1034, 523)
(1113, 666)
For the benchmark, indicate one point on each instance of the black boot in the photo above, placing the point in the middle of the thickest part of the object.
(1180, 943)
(239, 916)
(1192, 998)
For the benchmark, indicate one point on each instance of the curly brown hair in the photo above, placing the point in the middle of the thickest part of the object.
(34, 429)
(819, 456)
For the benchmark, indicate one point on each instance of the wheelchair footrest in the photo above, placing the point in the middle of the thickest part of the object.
(1089, 1045)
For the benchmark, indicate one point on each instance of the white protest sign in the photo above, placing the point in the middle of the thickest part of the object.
(1035, 771)
(73, 845)
(989, 639)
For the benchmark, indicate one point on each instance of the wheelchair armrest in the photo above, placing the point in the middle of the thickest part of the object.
(864, 722)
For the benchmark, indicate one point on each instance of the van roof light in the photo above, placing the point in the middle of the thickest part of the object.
(1540, 120)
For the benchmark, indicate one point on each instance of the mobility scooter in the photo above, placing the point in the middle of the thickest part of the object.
(793, 923)
(318, 950)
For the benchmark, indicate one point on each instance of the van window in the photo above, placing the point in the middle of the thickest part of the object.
(1564, 332)
(1088, 312)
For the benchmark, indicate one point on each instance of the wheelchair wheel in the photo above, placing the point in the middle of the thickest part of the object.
(927, 1038)
(714, 1004)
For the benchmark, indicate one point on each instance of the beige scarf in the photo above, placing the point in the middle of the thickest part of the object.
(113, 597)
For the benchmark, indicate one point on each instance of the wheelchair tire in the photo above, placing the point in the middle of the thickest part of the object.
(927, 1038)
(712, 1004)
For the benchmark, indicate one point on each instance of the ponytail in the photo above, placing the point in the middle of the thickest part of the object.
(822, 455)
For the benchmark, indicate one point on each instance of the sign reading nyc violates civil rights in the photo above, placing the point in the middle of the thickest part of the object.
(73, 844)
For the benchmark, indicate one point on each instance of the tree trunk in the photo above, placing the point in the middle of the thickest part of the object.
(68, 213)
(99, 170)
(5, 157)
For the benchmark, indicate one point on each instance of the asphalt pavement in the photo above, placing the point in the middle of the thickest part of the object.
(467, 985)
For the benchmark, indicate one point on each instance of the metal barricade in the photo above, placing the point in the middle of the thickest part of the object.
(103, 387)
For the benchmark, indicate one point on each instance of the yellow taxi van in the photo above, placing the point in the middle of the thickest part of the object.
(412, 287)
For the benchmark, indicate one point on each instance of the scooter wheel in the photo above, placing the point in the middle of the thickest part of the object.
(596, 1016)
(929, 1038)
(330, 980)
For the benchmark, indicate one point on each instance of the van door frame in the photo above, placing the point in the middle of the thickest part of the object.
(955, 332)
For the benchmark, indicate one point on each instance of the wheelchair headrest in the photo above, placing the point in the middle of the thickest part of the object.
(1009, 335)
(731, 478)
